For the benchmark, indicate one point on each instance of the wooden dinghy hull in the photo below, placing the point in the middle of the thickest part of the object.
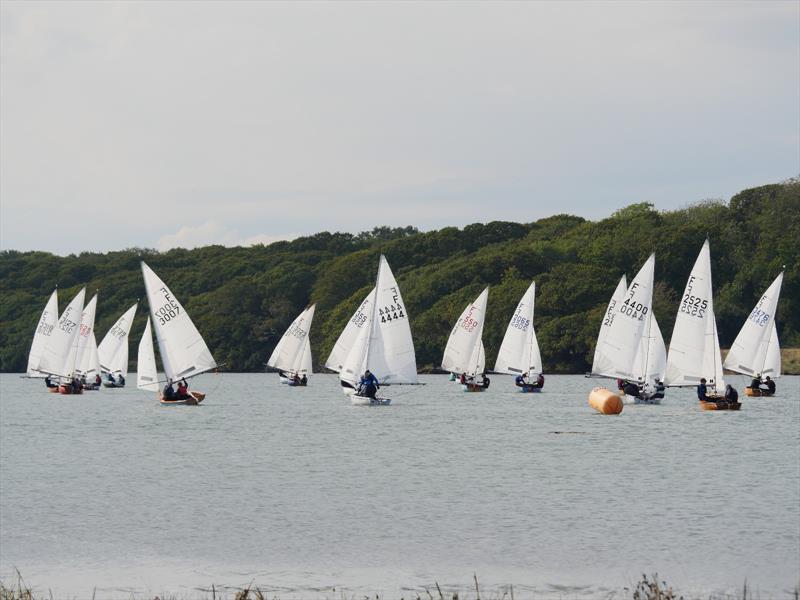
(194, 399)
(755, 392)
(357, 400)
(473, 387)
(54, 390)
(68, 389)
(720, 404)
(605, 401)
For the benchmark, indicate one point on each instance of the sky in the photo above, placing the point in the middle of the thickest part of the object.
(181, 124)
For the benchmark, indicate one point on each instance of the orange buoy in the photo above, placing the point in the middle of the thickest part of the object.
(605, 401)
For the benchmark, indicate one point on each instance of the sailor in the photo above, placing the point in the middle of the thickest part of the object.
(539, 381)
(756, 383)
(183, 390)
(770, 383)
(731, 395)
(303, 379)
(49, 382)
(702, 391)
(121, 380)
(519, 380)
(659, 391)
(486, 381)
(631, 389)
(98, 380)
(169, 391)
(111, 378)
(368, 386)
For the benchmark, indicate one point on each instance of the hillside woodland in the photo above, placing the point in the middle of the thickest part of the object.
(243, 298)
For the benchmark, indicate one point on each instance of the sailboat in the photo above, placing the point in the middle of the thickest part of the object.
(292, 355)
(377, 339)
(113, 349)
(44, 329)
(87, 361)
(57, 356)
(519, 352)
(464, 353)
(755, 351)
(694, 352)
(184, 353)
(623, 343)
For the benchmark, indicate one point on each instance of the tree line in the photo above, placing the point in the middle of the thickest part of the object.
(243, 298)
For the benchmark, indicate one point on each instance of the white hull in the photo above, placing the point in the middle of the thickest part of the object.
(284, 379)
(366, 401)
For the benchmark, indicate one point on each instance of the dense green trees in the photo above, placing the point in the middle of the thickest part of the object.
(242, 299)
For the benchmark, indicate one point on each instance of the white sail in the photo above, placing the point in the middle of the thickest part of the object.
(748, 353)
(385, 345)
(651, 359)
(54, 355)
(599, 362)
(293, 352)
(343, 345)
(465, 338)
(615, 353)
(44, 329)
(390, 352)
(772, 363)
(694, 348)
(477, 362)
(519, 352)
(90, 363)
(83, 342)
(146, 372)
(113, 348)
(183, 351)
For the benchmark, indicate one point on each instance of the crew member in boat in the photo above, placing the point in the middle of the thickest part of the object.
(539, 381)
(296, 379)
(121, 379)
(632, 390)
(521, 380)
(169, 391)
(303, 379)
(97, 380)
(111, 379)
(463, 379)
(702, 391)
(368, 386)
(659, 389)
(49, 382)
(486, 381)
(76, 384)
(770, 383)
(731, 395)
(183, 390)
(755, 384)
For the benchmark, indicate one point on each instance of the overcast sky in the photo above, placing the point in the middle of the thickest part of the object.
(163, 124)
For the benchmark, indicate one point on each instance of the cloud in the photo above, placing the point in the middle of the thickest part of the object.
(212, 232)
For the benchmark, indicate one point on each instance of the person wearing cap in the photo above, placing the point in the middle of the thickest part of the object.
(702, 390)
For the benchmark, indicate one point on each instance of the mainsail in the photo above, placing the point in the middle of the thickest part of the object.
(462, 353)
(82, 361)
(293, 352)
(748, 353)
(694, 348)
(44, 329)
(113, 349)
(519, 351)
(384, 344)
(624, 326)
(54, 354)
(183, 351)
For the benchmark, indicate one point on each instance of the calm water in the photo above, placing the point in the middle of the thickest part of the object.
(300, 492)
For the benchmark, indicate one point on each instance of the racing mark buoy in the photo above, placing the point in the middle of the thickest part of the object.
(605, 401)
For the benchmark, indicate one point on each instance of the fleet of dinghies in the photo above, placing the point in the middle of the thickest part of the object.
(376, 348)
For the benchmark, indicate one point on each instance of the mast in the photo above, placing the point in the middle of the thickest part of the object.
(374, 314)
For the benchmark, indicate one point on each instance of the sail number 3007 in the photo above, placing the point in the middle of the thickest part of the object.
(169, 310)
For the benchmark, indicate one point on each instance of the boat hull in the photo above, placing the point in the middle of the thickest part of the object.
(755, 392)
(473, 387)
(651, 401)
(112, 385)
(357, 400)
(68, 389)
(54, 389)
(720, 404)
(605, 401)
(529, 389)
(194, 399)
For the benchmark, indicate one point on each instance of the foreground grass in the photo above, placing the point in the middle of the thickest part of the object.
(647, 588)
